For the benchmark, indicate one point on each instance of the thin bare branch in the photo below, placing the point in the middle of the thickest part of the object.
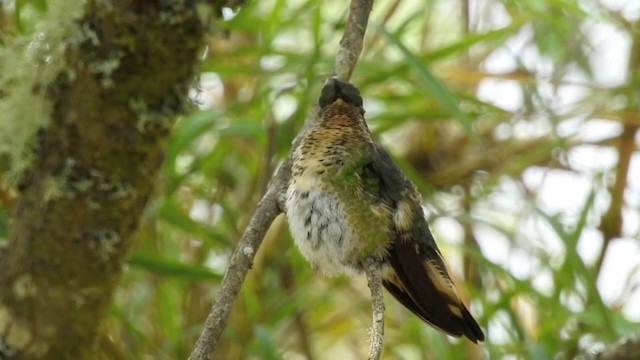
(611, 224)
(612, 219)
(272, 202)
(352, 39)
(374, 277)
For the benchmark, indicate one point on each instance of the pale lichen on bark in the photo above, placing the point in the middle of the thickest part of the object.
(35, 61)
(92, 167)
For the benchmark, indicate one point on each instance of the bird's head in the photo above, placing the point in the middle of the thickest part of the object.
(339, 93)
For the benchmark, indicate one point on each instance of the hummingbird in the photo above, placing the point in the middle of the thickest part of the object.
(348, 203)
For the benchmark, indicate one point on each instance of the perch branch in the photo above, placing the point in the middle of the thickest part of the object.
(272, 202)
(352, 39)
(374, 277)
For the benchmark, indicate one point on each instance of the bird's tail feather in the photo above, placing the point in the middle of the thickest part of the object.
(420, 282)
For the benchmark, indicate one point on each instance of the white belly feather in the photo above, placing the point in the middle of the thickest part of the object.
(320, 229)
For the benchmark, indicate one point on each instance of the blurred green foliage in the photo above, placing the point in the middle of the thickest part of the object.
(422, 73)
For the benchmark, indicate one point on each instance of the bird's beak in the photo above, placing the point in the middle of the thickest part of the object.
(339, 101)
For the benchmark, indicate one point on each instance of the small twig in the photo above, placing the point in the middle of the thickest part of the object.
(374, 277)
(375, 37)
(611, 223)
(625, 349)
(272, 202)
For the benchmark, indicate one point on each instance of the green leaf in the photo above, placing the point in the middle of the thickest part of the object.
(171, 212)
(575, 264)
(171, 268)
(432, 85)
(189, 129)
(466, 42)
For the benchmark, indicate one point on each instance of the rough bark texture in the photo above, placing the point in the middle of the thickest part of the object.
(81, 198)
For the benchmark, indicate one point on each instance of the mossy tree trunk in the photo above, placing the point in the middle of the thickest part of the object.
(93, 170)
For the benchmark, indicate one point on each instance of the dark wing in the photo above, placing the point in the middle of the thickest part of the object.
(418, 277)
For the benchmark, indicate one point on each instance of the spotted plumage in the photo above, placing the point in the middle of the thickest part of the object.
(348, 202)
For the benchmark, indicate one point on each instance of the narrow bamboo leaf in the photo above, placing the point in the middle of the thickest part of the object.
(576, 264)
(432, 85)
(172, 214)
(188, 130)
(466, 42)
(172, 268)
(18, 5)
